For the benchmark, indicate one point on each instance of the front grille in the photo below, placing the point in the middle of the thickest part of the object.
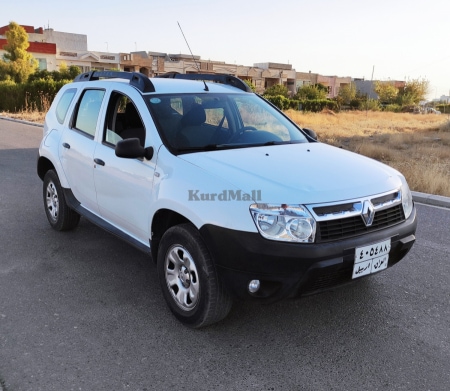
(353, 226)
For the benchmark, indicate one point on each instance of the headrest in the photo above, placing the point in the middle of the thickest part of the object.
(196, 116)
(132, 116)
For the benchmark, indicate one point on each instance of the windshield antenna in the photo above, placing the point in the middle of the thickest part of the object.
(195, 62)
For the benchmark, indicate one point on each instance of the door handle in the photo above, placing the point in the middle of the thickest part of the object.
(98, 161)
(65, 145)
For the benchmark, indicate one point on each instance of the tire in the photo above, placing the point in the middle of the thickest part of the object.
(59, 215)
(188, 278)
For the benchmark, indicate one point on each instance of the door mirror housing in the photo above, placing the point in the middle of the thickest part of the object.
(311, 133)
(131, 148)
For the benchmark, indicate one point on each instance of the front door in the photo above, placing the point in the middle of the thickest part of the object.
(124, 186)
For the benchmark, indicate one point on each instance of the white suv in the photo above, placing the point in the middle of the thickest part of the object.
(230, 198)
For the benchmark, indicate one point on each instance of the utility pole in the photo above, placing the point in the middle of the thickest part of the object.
(370, 90)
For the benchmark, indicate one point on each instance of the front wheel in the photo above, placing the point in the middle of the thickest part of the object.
(59, 215)
(188, 278)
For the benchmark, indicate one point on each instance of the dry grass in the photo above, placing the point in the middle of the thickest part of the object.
(28, 115)
(417, 145)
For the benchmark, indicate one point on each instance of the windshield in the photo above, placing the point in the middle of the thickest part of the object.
(193, 122)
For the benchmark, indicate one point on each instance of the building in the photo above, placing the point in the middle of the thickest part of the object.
(367, 87)
(333, 84)
(43, 50)
(52, 49)
(276, 73)
(305, 79)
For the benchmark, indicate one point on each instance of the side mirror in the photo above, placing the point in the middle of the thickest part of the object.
(131, 148)
(310, 133)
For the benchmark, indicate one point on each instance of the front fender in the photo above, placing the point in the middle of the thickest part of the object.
(198, 195)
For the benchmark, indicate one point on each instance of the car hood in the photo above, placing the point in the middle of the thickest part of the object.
(297, 173)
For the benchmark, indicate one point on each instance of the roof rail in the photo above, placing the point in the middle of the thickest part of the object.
(217, 78)
(138, 80)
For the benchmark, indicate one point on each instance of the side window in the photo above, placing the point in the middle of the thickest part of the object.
(122, 120)
(167, 112)
(64, 103)
(216, 117)
(88, 111)
(255, 115)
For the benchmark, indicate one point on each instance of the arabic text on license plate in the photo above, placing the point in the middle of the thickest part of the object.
(372, 258)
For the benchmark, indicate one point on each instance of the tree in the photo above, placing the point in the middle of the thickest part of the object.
(4, 69)
(386, 91)
(250, 84)
(413, 92)
(18, 64)
(308, 91)
(347, 93)
(277, 89)
(64, 73)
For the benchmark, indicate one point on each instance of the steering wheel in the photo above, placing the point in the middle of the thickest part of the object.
(217, 133)
(240, 132)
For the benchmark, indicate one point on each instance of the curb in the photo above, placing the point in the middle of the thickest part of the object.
(430, 199)
(22, 122)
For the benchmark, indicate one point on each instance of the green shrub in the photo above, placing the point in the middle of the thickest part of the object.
(370, 104)
(395, 108)
(40, 93)
(278, 100)
(313, 105)
(33, 95)
(12, 96)
(317, 105)
(277, 89)
(295, 104)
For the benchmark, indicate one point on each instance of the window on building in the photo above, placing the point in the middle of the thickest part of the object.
(42, 63)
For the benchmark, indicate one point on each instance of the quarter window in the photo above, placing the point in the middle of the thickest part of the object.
(64, 103)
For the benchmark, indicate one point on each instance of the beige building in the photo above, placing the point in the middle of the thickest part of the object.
(333, 83)
(52, 48)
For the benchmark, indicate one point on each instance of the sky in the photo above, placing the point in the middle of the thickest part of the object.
(383, 39)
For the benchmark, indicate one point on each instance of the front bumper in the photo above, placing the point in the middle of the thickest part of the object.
(292, 269)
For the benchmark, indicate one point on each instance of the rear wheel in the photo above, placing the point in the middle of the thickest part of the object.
(59, 215)
(188, 278)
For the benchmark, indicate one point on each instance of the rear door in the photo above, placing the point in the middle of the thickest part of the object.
(78, 145)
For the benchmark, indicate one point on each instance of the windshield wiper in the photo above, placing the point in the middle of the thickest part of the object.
(215, 147)
(276, 143)
(283, 142)
(208, 147)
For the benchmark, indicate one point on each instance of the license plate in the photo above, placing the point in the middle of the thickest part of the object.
(371, 258)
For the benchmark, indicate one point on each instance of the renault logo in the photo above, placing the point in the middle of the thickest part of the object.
(368, 213)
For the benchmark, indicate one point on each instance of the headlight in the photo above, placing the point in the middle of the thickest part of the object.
(289, 223)
(407, 200)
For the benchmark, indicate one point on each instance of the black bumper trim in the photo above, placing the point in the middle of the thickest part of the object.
(294, 269)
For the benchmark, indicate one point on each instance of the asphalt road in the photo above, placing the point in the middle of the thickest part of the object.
(83, 311)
